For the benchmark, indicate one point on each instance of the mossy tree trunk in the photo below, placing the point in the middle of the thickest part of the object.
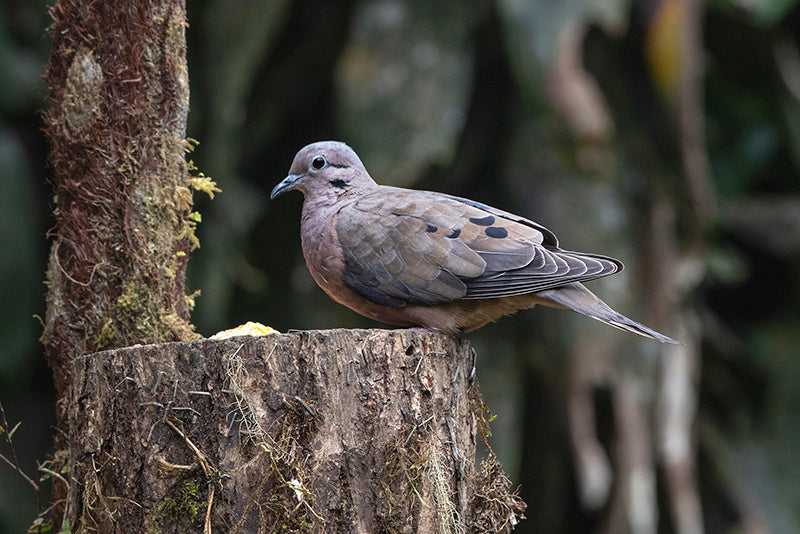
(340, 431)
(120, 96)
(119, 93)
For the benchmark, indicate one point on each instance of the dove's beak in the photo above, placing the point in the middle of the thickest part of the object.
(288, 183)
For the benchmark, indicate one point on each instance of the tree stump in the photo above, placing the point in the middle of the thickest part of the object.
(318, 431)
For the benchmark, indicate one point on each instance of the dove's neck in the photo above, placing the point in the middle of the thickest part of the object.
(316, 224)
(316, 213)
(319, 241)
(317, 227)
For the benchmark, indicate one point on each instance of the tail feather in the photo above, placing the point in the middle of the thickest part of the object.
(577, 298)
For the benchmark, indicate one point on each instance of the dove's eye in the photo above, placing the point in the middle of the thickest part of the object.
(319, 162)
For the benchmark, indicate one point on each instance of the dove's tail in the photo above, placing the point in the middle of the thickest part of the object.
(577, 298)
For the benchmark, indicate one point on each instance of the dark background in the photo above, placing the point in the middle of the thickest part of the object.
(462, 97)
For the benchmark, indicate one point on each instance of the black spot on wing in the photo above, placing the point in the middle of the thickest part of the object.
(483, 221)
(455, 234)
(498, 232)
(550, 238)
(431, 228)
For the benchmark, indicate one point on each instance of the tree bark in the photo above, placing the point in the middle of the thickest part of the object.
(319, 431)
(119, 91)
(120, 97)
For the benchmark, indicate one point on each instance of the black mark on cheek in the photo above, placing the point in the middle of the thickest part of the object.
(339, 183)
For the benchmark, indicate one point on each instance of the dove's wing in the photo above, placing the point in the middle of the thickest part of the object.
(403, 246)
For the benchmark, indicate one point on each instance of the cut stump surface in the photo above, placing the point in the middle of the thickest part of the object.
(317, 431)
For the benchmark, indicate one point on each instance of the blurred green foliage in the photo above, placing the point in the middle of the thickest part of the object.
(455, 96)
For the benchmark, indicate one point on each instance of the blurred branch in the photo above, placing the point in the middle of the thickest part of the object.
(589, 368)
(670, 281)
(752, 517)
(637, 470)
(15, 463)
(677, 408)
(787, 58)
(691, 116)
(672, 275)
(574, 93)
(772, 224)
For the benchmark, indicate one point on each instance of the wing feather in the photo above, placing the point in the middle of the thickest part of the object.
(403, 246)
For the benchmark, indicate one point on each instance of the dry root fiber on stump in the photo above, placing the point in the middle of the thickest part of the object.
(318, 431)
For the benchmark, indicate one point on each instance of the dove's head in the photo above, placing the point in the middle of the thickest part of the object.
(328, 169)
